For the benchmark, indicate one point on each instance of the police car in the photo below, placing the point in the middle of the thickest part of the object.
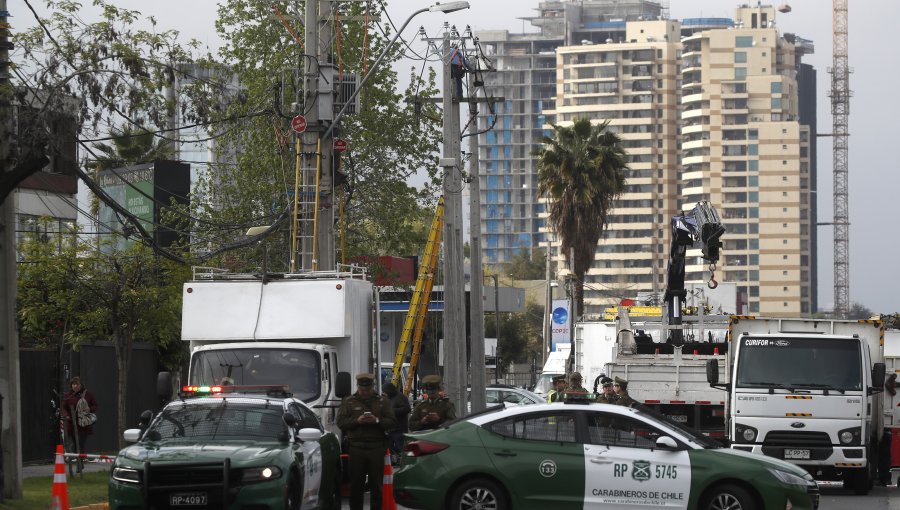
(228, 448)
(588, 456)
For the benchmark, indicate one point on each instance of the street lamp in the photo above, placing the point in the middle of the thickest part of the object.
(258, 232)
(438, 7)
(497, 318)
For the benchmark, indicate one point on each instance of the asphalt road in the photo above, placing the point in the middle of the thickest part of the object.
(881, 498)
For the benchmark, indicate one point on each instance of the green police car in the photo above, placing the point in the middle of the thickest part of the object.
(228, 448)
(588, 456)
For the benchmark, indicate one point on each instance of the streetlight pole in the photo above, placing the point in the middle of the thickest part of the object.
(446, 8)
(497, 325)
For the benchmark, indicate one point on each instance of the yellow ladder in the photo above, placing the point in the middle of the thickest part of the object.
(418, 304)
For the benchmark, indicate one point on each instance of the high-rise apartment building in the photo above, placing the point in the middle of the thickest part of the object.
(746, 150)
(634, 85)
(526, 77)
(711, 113)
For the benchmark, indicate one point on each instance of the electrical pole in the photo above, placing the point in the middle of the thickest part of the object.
(476, 287)
(454, 279)
(10, 432)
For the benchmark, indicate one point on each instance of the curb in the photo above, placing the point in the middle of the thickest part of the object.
(95, 506)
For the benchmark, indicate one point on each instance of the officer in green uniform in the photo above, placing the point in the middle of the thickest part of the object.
(364, 418)
(575, 384)
(434, 410)
(621, 389)
(559, 387)
(607, 396)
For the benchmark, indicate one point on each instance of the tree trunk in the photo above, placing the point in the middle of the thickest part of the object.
(579, 298)
(123, 345)
(11, 179)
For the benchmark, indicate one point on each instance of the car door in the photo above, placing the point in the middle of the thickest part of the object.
(625, 469)
(308, 455)
(538, 459)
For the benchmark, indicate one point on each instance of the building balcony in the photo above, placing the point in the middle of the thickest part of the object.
(695, 144)
(693, 160)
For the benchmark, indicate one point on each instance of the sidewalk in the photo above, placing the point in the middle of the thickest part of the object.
(33, 470)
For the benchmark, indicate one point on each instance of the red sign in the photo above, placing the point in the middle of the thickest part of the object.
(340, 145)
(298, 123)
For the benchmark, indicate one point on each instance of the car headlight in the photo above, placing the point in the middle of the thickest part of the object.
(260, 474)
(744, 434)
(792, 479)
(850, 436)
(126, 475)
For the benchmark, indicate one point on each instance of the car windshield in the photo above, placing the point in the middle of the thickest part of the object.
(217, 419)
(297, 368)
(819, 363)
(690, 433)
(544, 383)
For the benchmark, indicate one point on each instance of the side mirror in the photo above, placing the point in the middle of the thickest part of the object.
(164, 385)
(309, 434)
(290, 420)
(666, 443)
(342, 386)
(878, 371)
(712, 371)
(132, 435)
(146, 416)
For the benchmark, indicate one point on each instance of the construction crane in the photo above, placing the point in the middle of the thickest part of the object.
(418, 304)
(840, 117)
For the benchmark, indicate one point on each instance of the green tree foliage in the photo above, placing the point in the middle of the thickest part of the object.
(77, 292)
(527, 264)
(581, 171)
(389, 139)
(520, 333)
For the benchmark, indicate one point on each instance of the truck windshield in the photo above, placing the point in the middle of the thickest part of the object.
(810, 363)
(297, 368)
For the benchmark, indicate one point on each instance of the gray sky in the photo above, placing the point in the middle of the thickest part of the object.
(873, 267)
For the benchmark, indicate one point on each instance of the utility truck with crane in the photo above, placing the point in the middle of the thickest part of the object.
(664, 371)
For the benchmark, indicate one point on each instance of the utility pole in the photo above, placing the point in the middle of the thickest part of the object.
(476, 287)
(10, 433)
(454, 279)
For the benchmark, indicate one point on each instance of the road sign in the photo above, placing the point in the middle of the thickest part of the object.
(298, 123)
(340, 145)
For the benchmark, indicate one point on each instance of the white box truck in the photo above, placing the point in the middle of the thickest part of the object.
(309, 331)
(808, 392)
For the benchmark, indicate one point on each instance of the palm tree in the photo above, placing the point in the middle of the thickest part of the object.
(581, 171)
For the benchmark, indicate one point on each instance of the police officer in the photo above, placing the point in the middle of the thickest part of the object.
(575, 384)
(364, 417)
(620, 386)
(434, 410)
(559, 387)
(607, 396)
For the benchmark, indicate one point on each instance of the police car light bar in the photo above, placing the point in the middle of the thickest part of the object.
(267, 389)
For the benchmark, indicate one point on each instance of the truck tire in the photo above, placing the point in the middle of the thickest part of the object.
(727, 497)
(479, 493)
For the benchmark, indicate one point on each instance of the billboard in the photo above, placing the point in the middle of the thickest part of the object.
(560, 323)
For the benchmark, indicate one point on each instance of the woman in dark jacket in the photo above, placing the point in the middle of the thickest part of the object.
(70, 411)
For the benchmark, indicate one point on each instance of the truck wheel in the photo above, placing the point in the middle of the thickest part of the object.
(861, 481)
(479, 494)
(728, 497)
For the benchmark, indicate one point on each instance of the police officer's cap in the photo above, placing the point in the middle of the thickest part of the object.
(576, 376)
(365, 379)
(606, 381)
(431, 381)
(559, 378)
(621, 382)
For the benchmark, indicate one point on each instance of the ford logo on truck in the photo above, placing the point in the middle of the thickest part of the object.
(798, 424)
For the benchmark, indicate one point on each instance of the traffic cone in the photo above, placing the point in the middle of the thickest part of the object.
(387, 487)
(60, 496)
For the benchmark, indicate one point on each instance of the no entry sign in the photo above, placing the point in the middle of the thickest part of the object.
(298, 123)
(340, 145)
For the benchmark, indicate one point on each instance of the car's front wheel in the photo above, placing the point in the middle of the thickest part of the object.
(728, 497)
(294, 496)
(479, 494)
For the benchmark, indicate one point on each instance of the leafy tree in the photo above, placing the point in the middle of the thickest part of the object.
(580, 171)
(520, 333)
(527, 264)
(859, 311)
(383, 214)
(73, 289)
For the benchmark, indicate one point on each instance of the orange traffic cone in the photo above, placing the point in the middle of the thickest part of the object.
(60, 498)
(387, 487)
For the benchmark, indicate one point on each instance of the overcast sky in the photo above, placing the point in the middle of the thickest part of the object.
(873, 200)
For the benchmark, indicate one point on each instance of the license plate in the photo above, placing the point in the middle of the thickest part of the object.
(790, 453)
(188, 499)
(680, 418)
